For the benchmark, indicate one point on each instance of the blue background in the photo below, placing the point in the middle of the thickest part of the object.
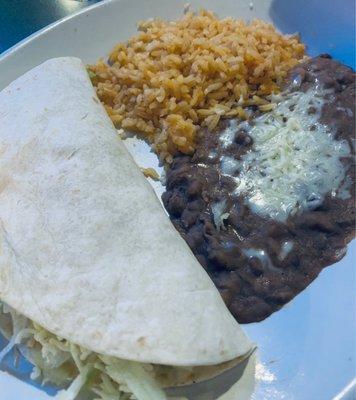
(20, 18)
(324, 25)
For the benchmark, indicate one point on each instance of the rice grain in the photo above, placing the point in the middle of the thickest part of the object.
(174, 78)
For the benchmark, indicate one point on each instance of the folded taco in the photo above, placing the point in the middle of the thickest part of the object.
(97, 289)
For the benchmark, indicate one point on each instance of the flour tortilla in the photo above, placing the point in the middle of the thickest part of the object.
(87, 250)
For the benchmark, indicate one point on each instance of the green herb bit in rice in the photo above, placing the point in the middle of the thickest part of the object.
(150, 173)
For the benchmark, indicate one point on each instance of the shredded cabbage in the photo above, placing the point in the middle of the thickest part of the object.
(134, 376)
(76, 386)
(61, 362)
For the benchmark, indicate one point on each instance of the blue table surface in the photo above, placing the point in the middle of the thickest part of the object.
(20, 18)
(325, 25)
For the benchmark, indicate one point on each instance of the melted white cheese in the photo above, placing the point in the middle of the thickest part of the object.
(229, 165)
(227, 137)
(218, 214)
(262, 256)
(344, 192)
(294, 160)
(285, 250)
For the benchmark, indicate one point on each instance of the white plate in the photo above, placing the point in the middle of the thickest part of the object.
(306, 350)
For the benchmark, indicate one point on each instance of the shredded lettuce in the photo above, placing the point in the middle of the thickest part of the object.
(64, 363)
(133, 375)
(20, 332)
(76, 386)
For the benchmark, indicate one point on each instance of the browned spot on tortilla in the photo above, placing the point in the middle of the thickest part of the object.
(141, 341)
(96, 335)
(3, 147)
(4, 181)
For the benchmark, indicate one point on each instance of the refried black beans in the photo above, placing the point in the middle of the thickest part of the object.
(258, 253)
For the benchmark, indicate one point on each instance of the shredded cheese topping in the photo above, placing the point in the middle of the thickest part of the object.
(294, 161)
